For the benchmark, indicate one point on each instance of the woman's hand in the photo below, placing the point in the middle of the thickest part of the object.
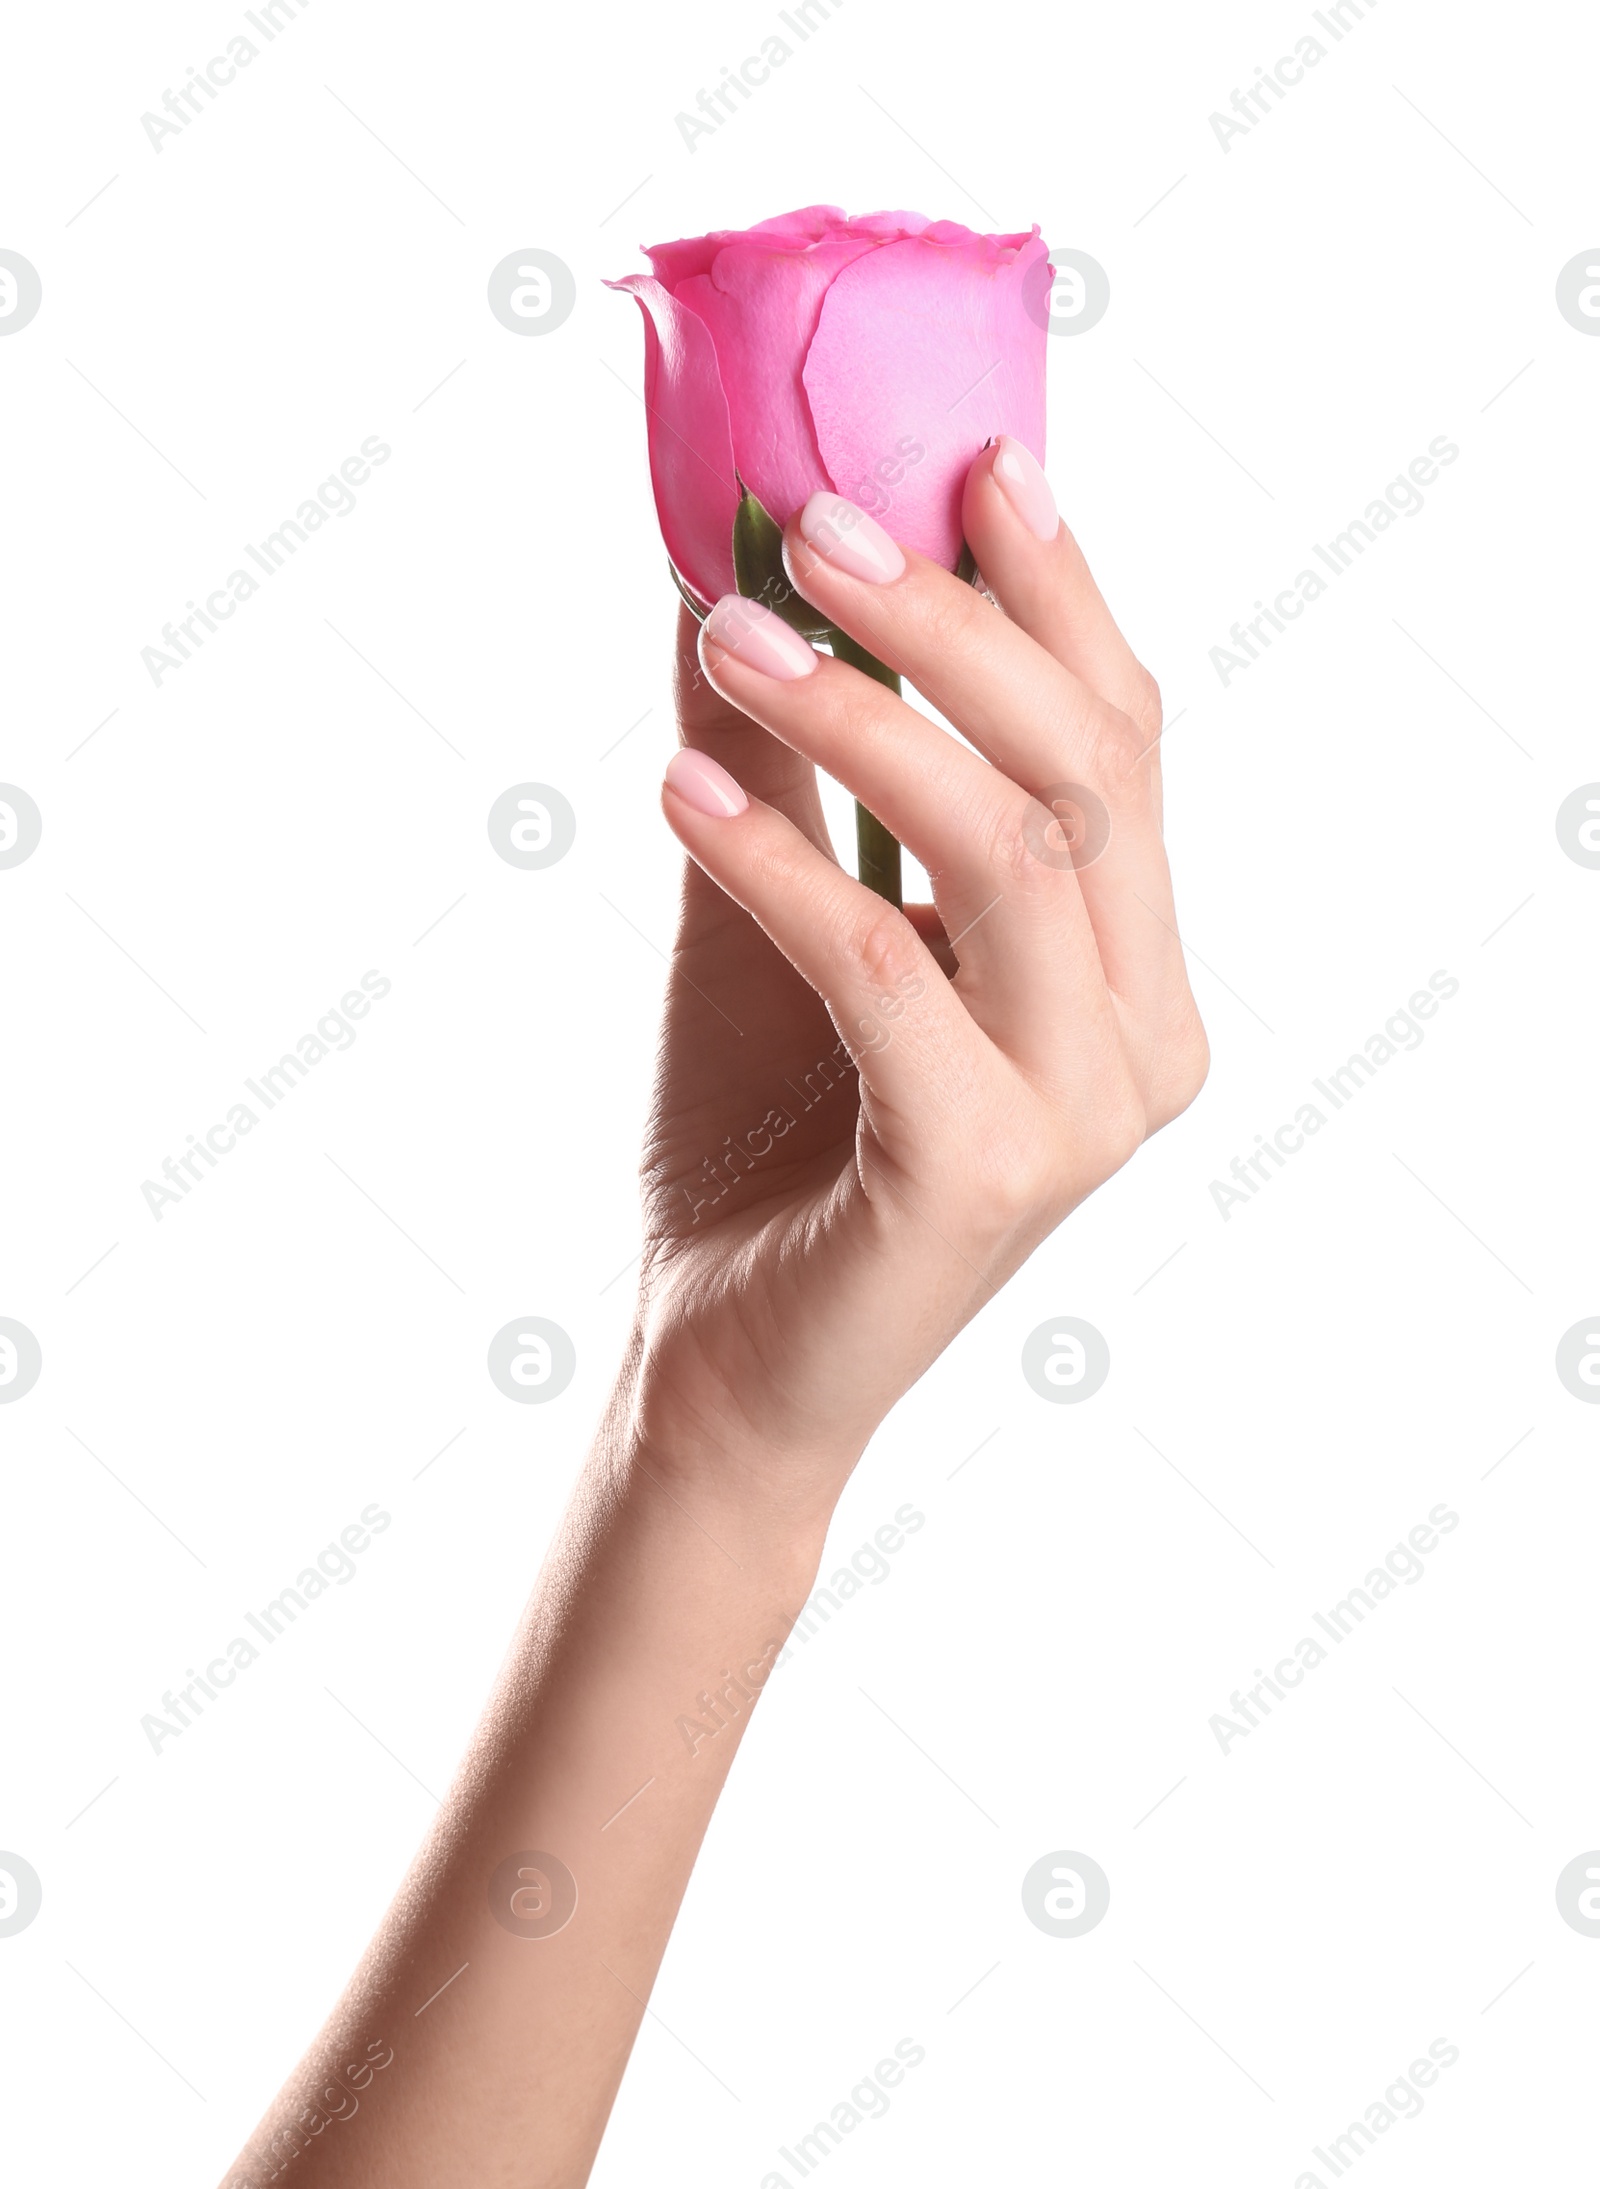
(866, 1120)
(816, 1232)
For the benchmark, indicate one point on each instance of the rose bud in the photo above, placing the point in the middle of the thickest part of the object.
(874, 357)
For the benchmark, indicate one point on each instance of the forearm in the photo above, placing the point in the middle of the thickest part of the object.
(816, 1236)
(651, 1632)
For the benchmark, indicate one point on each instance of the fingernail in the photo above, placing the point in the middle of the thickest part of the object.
(700, 783)
(851, 540)
(759, 637)
(1027, 489)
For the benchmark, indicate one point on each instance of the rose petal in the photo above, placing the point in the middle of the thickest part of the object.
(674, 262)
(677, 261)
(991, 247)
(691, 446)
(809, 224)
(943, 345)
(761, 306)
(889, 227)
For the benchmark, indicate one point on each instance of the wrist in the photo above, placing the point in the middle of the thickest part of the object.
(768, 1496)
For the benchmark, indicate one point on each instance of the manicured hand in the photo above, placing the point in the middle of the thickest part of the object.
(866, 1120)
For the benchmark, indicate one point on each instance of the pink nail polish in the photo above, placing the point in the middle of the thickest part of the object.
(759, 637)
(1026, 488)
(851, 540)
(700, 783)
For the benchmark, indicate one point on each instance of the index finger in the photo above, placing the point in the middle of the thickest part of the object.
(773, 771)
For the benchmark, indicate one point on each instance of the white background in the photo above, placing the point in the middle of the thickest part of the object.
(1294, 321)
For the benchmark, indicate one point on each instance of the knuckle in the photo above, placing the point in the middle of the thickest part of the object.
(1121, 1128)
(1103, 743)
(844, 707)
(1120, 743)
(1195, 1057)
(1106, 1122)
(945, 613)
(849, 715)
(1008, 853)
(888, 950)
(1185, 1067)
(778, 866)
(1145, 700)
(1014, 841)
(1009, 1186)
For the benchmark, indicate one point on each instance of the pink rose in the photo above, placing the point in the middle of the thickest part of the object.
(874, 356)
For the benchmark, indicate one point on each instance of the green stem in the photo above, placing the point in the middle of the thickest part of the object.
(877, 852)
